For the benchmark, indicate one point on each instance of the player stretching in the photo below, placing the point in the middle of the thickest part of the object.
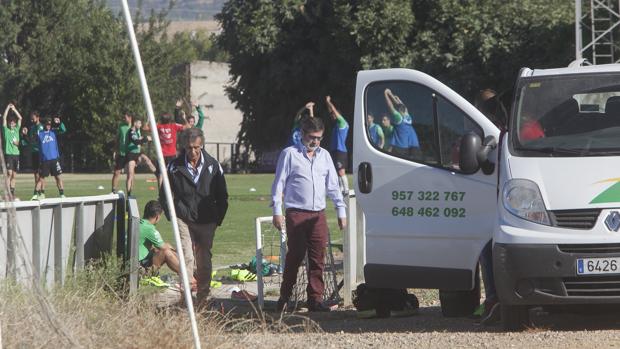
(179, 115)
(50, 156)
(134, 154)
(337, 145)
(11, 145)
(120, 156)
(33, 143)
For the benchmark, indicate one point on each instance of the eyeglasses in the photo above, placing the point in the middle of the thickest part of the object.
(314, 138)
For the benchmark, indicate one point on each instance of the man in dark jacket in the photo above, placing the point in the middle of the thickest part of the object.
(200, 200)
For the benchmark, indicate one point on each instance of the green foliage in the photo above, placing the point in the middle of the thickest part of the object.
(201, 45)
(472, 45)
(72, 58)
(284, 53)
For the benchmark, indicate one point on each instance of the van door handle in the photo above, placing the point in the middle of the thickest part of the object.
(364, 177)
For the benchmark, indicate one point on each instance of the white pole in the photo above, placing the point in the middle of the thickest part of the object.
(162, 169)
(578, 38)
(259, 263)
(350, 249)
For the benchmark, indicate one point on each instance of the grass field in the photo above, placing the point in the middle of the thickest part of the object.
(234, 240)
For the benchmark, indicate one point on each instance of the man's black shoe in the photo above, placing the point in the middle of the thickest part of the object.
(319, 307)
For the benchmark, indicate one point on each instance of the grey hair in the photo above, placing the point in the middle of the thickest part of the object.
(190, 135)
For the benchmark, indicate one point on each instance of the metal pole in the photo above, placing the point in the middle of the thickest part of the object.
(578, 39)
(259, 261)
(162, 169)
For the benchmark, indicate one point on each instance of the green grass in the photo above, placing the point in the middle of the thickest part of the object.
(234, 241)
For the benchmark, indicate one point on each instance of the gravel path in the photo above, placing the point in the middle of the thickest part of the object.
(429, 329)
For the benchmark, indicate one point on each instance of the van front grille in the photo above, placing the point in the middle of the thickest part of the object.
(593, 286)
(590, 248)
(574, 219)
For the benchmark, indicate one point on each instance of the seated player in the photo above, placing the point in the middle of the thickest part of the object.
(153, 251)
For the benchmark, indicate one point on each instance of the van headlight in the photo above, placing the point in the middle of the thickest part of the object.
(522, 198)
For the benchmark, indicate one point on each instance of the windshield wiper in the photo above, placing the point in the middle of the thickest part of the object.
(604, 152)
(556, 150)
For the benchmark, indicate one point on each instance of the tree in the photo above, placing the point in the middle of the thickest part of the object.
(72, 58)
(286, 52)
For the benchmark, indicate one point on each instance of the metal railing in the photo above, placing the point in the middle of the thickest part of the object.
(46, 238)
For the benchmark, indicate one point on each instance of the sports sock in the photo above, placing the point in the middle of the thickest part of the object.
(35, 192)
(61, 191)
(12, 191)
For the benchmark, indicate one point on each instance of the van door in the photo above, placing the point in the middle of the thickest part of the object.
(426, 222)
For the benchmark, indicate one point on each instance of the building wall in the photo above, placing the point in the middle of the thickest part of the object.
(222, 122)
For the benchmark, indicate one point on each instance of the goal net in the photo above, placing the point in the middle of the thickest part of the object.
(271, 248)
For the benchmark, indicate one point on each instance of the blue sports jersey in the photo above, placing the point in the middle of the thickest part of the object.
(374, 133)
(339, 135)
(48, 145)
(404, 135)
(295, 137)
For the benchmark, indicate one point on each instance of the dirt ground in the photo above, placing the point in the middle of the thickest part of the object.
(427, 329)
(342, 329)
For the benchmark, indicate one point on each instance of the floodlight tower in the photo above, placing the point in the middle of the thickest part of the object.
(597, 29)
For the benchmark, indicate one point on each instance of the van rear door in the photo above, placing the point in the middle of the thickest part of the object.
(426, 222)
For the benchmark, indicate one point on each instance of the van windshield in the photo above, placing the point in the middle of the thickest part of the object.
(573, 115)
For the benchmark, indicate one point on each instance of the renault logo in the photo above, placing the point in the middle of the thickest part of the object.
(613, 221)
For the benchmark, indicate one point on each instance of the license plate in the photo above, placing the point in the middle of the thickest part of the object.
(589, 266)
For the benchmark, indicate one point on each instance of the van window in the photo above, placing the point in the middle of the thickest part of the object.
(570, 116)
(402, 112)
(453, 125)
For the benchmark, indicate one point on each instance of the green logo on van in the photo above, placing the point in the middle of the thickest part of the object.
(612, 194)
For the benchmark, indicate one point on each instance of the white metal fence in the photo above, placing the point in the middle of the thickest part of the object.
(49, 237)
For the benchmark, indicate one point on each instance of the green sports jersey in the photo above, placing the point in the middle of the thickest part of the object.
(201, 117)
(149, 237)
(33, 137)
(122, 139)
(11, 140)
(134, 140)
(387, 132)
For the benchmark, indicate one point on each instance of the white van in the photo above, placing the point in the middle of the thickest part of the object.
(547, 191)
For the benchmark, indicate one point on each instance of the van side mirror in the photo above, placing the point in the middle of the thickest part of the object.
(474, 153)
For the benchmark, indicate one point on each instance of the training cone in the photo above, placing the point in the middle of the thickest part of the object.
(152, 188)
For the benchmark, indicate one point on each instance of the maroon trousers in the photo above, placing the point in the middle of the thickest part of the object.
(306, 232)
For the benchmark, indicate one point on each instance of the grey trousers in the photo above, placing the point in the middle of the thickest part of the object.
(197, 241)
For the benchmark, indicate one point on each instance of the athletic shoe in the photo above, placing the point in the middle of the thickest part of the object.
(242, 275)
(243, 295)
(153, 281)
(479, 311)
(41, 196)
(63, 196)
(493, 316)
(34, 197)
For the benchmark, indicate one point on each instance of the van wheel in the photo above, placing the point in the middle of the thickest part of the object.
(460, 303)
(515, 317)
